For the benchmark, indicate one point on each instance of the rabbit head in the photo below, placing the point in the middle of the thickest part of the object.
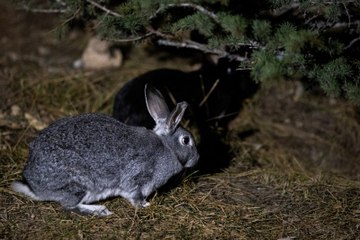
(168, 129)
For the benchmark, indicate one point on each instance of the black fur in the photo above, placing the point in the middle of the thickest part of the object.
(211, 119)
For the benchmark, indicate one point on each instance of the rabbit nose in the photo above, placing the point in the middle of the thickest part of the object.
(193, 161)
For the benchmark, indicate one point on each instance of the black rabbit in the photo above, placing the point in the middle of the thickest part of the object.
(215, 94)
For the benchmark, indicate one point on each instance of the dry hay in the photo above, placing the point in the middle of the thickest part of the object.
(312, 133)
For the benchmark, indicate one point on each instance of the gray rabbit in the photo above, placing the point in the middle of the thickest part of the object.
(85, 158)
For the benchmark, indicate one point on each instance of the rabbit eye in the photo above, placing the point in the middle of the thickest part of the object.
(185, 140)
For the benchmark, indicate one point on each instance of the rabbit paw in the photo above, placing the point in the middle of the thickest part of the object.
(98, 210)
(139, 203)
(145, 204)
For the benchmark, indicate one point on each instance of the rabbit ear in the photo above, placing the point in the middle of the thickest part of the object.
(176, 116)
(166, 122)
(156, 105)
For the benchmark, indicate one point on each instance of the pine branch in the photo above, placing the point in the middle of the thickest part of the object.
(279, 42)
(165, 40)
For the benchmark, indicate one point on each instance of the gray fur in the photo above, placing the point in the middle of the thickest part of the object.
(85, 158)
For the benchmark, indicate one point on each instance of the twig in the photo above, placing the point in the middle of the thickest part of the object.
(347, 13)
(311, 19)
(187, 5)
(352, 43)
(41, 10)
(200, 47)
(186, 44)
(208, 94)
(283, 10)
(149, 34)
(108, 11)
(222, 116)
(61, 2)
(158, 33)
(197, 7)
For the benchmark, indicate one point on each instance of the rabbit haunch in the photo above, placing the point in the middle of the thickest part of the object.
(85, 158)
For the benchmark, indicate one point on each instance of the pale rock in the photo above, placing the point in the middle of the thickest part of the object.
(98, 55)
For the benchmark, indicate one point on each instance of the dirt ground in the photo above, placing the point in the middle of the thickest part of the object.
(295, 173)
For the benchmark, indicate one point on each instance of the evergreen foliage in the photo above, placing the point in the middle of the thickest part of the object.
(314, 40)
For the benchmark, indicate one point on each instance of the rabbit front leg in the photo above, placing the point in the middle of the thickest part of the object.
(139, 198)
(136, 198)
(139, 203)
